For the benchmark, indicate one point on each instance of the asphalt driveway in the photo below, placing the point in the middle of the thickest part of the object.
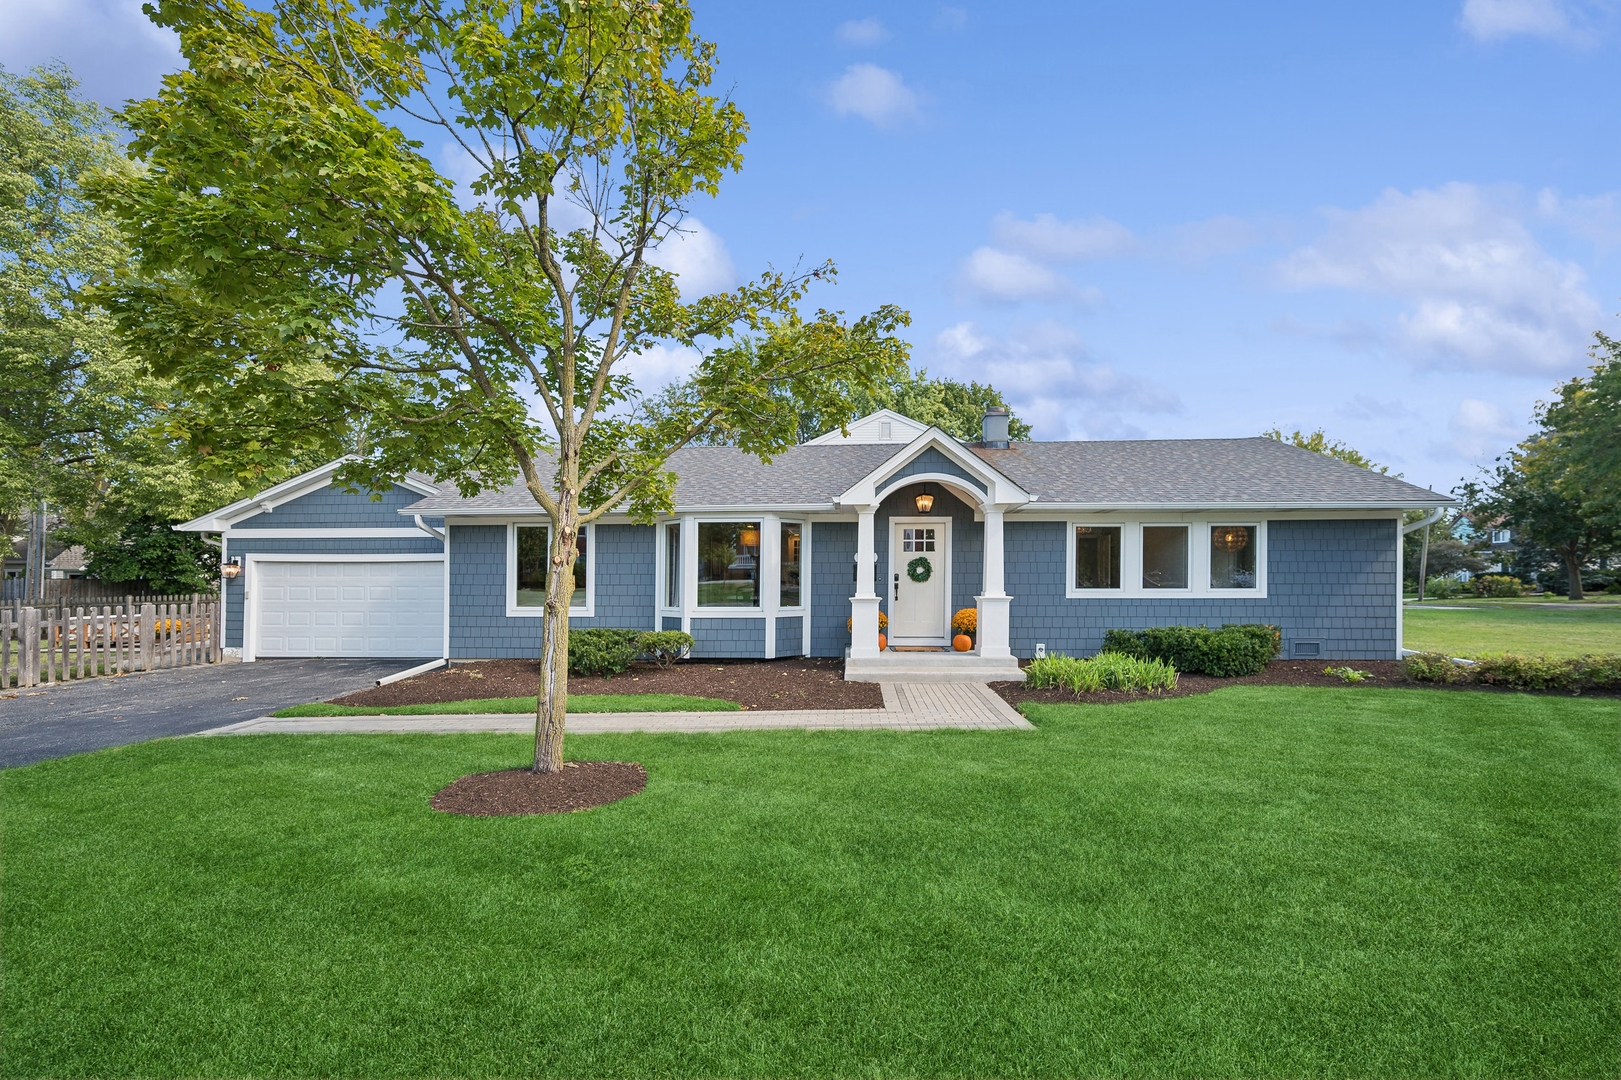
(70, 718)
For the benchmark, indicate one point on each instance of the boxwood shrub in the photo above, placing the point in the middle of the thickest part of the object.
(1236, 649)
(664, 647)
(601, 650)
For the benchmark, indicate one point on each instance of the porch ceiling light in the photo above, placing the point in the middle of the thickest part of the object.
(1230, 538)
(230, 569)
(924, 501)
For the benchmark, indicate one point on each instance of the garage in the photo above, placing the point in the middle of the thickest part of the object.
(374, 606)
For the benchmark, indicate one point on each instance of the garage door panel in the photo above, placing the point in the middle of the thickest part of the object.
(349, 609)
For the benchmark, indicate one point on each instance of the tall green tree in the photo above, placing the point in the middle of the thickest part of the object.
(1318, 442)
(1585, 422)
(310, 277)
(954, 407)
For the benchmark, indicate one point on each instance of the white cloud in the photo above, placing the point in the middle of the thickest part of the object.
(1003, 276)
(862, 33)
(1482, 430)
(115, 51)
(1049, 239)
(873, 93)
(697, 256)
(1595, 217)
(660, 365)
(1044, 371)
(1483, 294)
(1492, 20)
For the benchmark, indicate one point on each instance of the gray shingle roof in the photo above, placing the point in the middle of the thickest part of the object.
(1138, 472)
(1195, 472)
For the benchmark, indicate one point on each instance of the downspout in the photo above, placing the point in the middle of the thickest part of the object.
(1424, 553)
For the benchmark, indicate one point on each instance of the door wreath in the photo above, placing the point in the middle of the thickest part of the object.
(919, 570)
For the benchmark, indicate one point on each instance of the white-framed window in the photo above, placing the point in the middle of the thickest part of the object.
(1501, 536)
(1170, 556)
(529, 569)
(728, 559)
(791, 565)
(671, 599)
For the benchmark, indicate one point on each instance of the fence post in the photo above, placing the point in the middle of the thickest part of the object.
(28, 651)
(149, 632)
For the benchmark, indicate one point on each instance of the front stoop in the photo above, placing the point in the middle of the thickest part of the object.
(931, 667)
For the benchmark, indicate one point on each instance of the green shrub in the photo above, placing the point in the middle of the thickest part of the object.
(1106, 671)
(1599, 672)
(1498, 586)
(1347, 674)
(1235, 649)
(664, 647)
(1444, 588)
(1436, 668)
(602, 651)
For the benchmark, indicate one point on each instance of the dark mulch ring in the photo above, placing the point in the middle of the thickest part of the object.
(1277, 673)
(580, 785)
(796, 683)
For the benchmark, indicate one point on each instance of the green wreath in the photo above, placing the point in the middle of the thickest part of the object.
(919, 570)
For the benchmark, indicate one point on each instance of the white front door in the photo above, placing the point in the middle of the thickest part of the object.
(919, 611)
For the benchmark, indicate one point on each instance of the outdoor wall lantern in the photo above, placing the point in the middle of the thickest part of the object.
(924, 501)
(230, 569)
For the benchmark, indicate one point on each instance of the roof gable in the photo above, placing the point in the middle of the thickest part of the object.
(934, 454)
(883, 426)
(266, 501)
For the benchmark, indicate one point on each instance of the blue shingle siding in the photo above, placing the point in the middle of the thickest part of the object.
(790, 635)
(933, 461)
(479, 625)
(334, 508)
(833, 552)
(735, 639)
(1332, 582)
(967, 543)
(422, 544)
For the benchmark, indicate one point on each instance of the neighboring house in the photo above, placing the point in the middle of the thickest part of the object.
(68, 563)
(1052, 542)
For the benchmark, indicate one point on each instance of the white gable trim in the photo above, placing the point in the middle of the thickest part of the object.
(1000, 491)
(870, 429)
(266, 501)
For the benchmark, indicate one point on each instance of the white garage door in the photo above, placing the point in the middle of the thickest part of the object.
(349, 609)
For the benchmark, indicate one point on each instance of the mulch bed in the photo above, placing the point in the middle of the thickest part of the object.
(797, 683)
(1277, 673)
(580, 785)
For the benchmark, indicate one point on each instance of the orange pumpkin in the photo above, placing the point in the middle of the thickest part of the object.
(962, 643)
(883, 643)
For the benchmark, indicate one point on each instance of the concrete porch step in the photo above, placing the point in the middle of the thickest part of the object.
(931, 667)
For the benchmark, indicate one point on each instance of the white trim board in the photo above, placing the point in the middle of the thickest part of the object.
(412, 533)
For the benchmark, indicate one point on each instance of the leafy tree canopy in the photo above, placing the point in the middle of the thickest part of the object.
(82, 424)
(147, 550)
(1318, 442)
(311, 279)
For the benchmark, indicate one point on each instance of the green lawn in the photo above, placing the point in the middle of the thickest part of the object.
(1262, 881)
(1512, 627)
(577, 703)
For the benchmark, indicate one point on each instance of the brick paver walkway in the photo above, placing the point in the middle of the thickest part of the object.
(907, 707)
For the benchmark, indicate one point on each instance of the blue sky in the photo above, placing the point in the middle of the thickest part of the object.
(1398, 222)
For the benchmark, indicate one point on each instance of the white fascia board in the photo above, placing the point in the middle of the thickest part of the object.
(490, 515)
(1225, 507)
(268, 499)
(411, 533)
(1000, 489)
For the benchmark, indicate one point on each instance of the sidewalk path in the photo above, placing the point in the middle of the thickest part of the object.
(907, 707)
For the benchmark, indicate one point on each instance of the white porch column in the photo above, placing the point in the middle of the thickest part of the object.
(864, 604)
(992, 603)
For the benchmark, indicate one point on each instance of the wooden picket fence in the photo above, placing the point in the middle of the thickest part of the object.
(50, 645)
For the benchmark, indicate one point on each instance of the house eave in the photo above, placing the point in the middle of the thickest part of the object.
(1250, 506)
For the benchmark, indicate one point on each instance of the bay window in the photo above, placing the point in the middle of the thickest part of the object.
(672, 564)
(790, 551)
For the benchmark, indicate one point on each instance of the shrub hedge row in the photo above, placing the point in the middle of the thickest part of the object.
(608, 651)
(1236, 649)
(1574, 673)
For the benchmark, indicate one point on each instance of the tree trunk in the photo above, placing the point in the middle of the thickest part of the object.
(551, 708)
(1573, 566)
